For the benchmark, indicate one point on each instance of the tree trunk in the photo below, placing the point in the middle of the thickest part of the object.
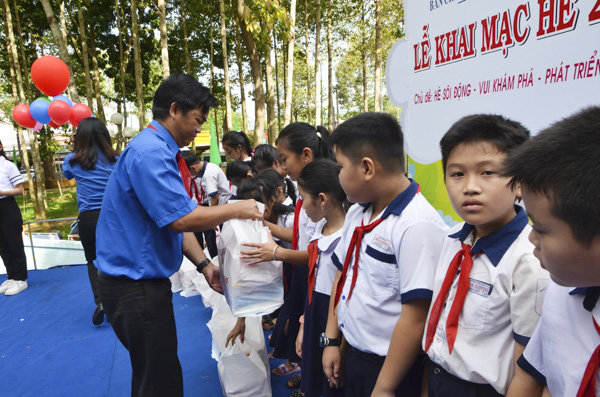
(308, 104)
(331, 110)
(238, 54)
(277, 83)
(364, 62)
(119, 137)
(253, 54)
(164, 46)
(289, 76)
(85, 57)
(62, 47)
(100, 111)
(317, 64)
(378, 56)
(270, 96)
(22, 53)
(139, 89)
(212, 67)
(185, 43)
(228, 114)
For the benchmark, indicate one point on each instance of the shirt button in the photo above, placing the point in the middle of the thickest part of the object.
(436, 371)
(342, 325)
(343, 297)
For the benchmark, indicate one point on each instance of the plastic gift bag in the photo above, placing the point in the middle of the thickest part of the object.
(250, 290)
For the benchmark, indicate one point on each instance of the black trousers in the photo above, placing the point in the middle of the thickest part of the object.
(362, 370)
(141, 314)
(87, 233)
(211, 241)
(12, 250)
(443, 384)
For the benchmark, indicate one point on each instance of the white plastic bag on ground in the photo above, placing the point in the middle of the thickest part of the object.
(250, 290)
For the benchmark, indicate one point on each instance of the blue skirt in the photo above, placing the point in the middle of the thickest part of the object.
(314, 383)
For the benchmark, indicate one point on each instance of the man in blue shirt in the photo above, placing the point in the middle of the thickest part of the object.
(144, 227)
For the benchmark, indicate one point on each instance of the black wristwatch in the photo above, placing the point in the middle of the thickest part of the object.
(325, 341)
(202, 265)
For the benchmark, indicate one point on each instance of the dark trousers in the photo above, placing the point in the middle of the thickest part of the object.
(443, 384)
(12, 250)
(141, 314)
(210, 236)
(362, 370)
(87, 233)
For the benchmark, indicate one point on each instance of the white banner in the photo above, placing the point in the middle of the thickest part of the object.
(533, 61)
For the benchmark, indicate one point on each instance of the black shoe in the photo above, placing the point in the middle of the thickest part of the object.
(98, 317)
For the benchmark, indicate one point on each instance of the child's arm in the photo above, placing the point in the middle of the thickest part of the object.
(281, 232)
(523, 384)
(300, 337)
(238, 330)
(214, 200)
(404, 346)
(271, 251)
(332, 355)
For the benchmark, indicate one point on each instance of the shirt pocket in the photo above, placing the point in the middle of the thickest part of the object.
(381, 273)
(475, 309)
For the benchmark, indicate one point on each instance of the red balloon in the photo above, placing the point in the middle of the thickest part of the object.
(59, 111)
(79, 112)
(53, 124)
(23, 117)
(50, 75)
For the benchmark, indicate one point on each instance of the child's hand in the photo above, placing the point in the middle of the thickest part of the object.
(332, 359)
(262, 253)
(238, 330)
(299, 340)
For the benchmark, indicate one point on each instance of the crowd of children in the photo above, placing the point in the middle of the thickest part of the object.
(382, 298)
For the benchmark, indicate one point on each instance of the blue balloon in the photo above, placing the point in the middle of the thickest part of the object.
(39, 110)
(63, 98)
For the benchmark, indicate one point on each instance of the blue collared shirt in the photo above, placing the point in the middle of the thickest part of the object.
(90, 183)
(144, 194)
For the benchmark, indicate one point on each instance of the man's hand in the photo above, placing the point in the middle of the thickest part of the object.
(247, 209)
(212, 274)
(332, 358)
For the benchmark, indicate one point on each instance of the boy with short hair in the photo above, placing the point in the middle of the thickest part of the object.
(386, 258)
(487, 282)
(558, 171)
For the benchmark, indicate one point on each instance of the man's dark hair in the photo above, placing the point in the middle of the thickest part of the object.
(562, 163)
(374, 135)
(184, 90)
(504, 134)
(189, 157)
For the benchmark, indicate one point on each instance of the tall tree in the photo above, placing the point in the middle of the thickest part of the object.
(317, 63)
(164, 46)
(306, 31)
(62, 47)
(272, 128)
(85, 56)
(186, 50)
(364, 59)
(97, 90)
(289, 76)
(330, 109)
(238, 55)
(228, 114)
(137, 64)
(243, 12)
(378, 56)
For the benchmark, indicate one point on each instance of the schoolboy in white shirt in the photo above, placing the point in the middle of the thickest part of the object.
(559, 174)
(488, 285)
(386, 258)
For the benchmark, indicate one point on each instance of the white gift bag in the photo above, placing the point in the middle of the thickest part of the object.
(250, 290)
(242, 373)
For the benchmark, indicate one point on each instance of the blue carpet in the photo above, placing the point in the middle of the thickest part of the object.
(49, 346)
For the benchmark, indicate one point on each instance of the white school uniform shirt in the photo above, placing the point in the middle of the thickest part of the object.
(396, 265)
(10, 177)
(503, 304)
(285, 220)
(306, 229)
(326, 270)
(214, 181)
(559, 350)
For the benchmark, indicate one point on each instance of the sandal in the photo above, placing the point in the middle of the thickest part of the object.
(297, 393)
(268, 324)
(283, 370)
(293, 382)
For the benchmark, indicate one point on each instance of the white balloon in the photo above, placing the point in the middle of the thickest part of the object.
(128, 132)
(116, 118)
(112, 132)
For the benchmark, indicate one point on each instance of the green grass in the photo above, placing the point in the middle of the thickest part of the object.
(64, 206)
